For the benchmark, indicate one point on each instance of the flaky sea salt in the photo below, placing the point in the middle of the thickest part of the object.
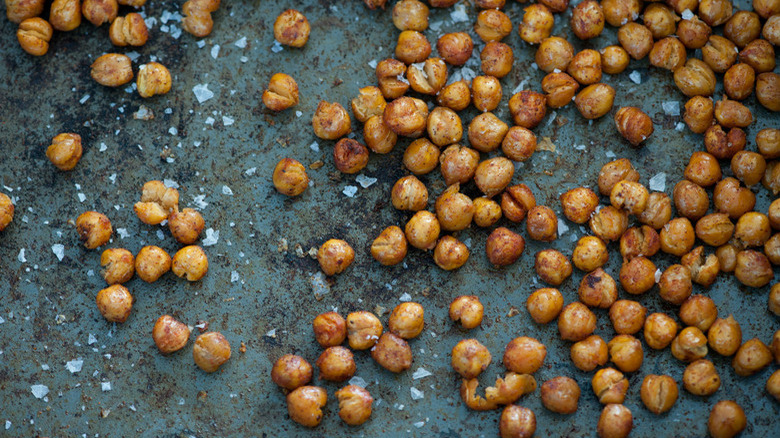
(21, 256)
(658, 182)
(82, 197)
(405, 297)
(657, 275)
(227, 121)
(173, 131)
(416, 393)
(420, 373)
(251, 171)
(240, 43)
(234, 276)
(350, 191)
(227, 191)
(277, 47)
(680, 126)
(59, 250)
(215, 51)
(365, 181)
(212, 237)
(458, 14)
(358, 381)
(105, 386)
(635, 77)
(39, 391)
(199, 201)
(271, 333)
(75, 365)
(319, 283)
(372, 63)
(202, 92)
(122, 232)
(315, 147)
(686, 14)
(562, 227)
(671, 107)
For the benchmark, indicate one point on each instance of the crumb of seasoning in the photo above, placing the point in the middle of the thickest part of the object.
(282, 245)
(242, 348)
(316, 165)
(202, 395)
(104, 412)
(546, 145)
(202, 325)
(379, 310)
(271, 333)
(512, 311)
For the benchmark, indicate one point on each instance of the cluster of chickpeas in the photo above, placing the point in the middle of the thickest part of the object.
(363, 331)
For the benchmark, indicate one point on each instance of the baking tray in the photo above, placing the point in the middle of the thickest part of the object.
(262, 295)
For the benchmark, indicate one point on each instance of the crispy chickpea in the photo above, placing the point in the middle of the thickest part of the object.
(282, 93)
(660, 19)
(485, 93)
(609, 223)
(430, 78)
(336, 364)
(715, 229)
(589, 353)
(768, 91)
(576, 322)
(715, 12)
(20, 10)
(211, 351)
(528, 108)
(486, 132)
(410, 15)
(696, 78)
(725, 336)
(544, 305)
(94, 229)
(699, 311)
(633, 124)
(330, 329)
(289, 178)
(492, 25)
(304, 405)
(129, 30)
(504, 247)
(675, 284)
(455, 96)
(615, 421)
(542, 224)
(65, 151)
(516, 201)
(766, 8)
(363, 330)
(579, 204)
(455, 47)
(468, 310)
(585, 67)
(628, 317)
(444, 126)
(658, 211)
(719, 53)
(151, 263)
(730, 114)
(636, 39)
(486, 212)
(773, 385)
(354, 404)
(677, 237)
(699, 114)
(668, 53)
(753, 229)
(190, 262)
(703, 169)
(659, 330)
(742, 28)
(157, 202)
(409, 193)
(524, 355)
(197, 17)
(587, 20)
(450, 253)
(625, 351)
(760, 55)
(153, 79)
(519, 144)
(609, 385)
(559, 89)
(422, 230)
(771, 178)
(289, 371)
(556, 6)
(772, 249)
(552, 266)
(406, 116)
(186, 225)
(133, 3)
(454, 210)
(595, 100)
(389, 75)
(728, 197)
(614, 60)
(335, 256)
(470, 358)
(118, 264)
(597, 289)
(517, 422)
(639, 241)
(658, 393)
(693, 32)
(727, 257)
(98, 12)
(701, 378)
(724, 145)
(392, 353)
(752, 357)
(34, 35)
(689, 345)
(114, 303)
(768, 143)
(618, 13)
(739, 81)
(497, 59)
(390, 247)
(615, 171)
(775, 346)
(561, 395)
(171, 335)
(291, 28)
(412, 46)
(537, 23)
(331, 121)
(458, 164)
(771, 31)
(726, 420)
(704, 269)
(629, 196)
(421, 156)
(554, 53)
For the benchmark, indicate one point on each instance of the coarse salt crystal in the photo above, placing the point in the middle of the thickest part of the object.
(234, 277)
(170, 183)
(610, 154)
(244, 59)
(227, 121)
(103, 147)
(687, 14)
(201, 44)
(419, 424)
(7, 424)
(271, 333)
(251, 171)
(21, 257)
(671, 107)
(679, 127)
(84, 99)
(350, 191)
(298, 114)
(227, 191)
(122, 232)
(372, 63)
(75, 365)
(319, 284)
(45, 366)
(657, 275)
(202, 92)
(39, 391)
(240, 43)
(105, 386)
(580, 147)
(459, 15)
(562, 227)
(658, 182)
(277, 47)
(420, 373)
(635, 77)
(92, 339)
(209, 121)
(199, 201)
(405, 297)
(215, 51)
(160, 235)
(59, 250)
(82, 197)
(173, 131)
(416, 393)
(365, 181)
(358, 381)
(212, 237)
(315, 147)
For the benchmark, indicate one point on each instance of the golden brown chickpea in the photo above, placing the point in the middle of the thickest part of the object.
(677, 237)
(470, 358)
(354, 404)
(528, 108)
(493, 175)
(693, 33)
(719, 53)
(412, 47)
(760, 55)
(771, 178)
(444, 126)
(6, 211)
(609, 385)
(291, 28)
(615, 421)
(727, 419)
(392, 353)
(614, 60)
(727, 257)
(289, 371)
(409, 193)
(554, 53)
(701, 378)
(753, 229)
(153, 79)
(658, 211)
(636, 39)
(766, 8)
(34, 35)
(628, 317)
(211, 351)
(129, 30)
(304, 405)
(486, 212)
(390, 247)
(618, 13)
(637, 275)
(738, 81)
(699, 114)
(772, 249)
(556, 6)
(486, 93)
(389, 75)
(537, 23)
(428, 78)
(289, 178)
(730, 114)
(728, 197)
(171, 335)
(773, 385)
(517, 422)
(335, 256)
(595, 100)
(455, 96)
(65, 151)
(775, 346)
(282, 92)
(689, 345)
(350, 156)
(724, 145)
(768, 91)
(458, 164)
(587, 20)
(658, 393)
(98, 12)
(486, 132)
(542, 224)
(639, 241)
(151, 263)
(633, 124)
(94, 229)
(20, 10)
(114, 303)
(576, 322)
(675, 284)
(421, 156)
(450, 253)
(336, 364)
(497, 59)
(699, 311)
(422, 230)
(118, 264)
(742, 28)
(704, 269)
(715, 12)
(609, 223)
(524, 355)
(552, 266)
(190, 262)
(544, 305)
(331, 121)
(752, 357)
(363, 330)
(625, 351)
(579, 204)
(771, 31)
(468, 310)
(768, 143)
(559, 89)
(660, 19)
(519, 144)
(406, 116)
(504, 247)
(186, 225)
(112, 70)
(659, 330)
(197, 17)
(455, 47)
(668, 53)
(703, 169)
(585, 67)
(410, 15)
(696, 78)
(516, 201)
(561, 395)
(598, 289)
(589, 353)
(629, 196)
(157, 202)
(725, 336)
(492, 25)
(330, 329)
(714, 229)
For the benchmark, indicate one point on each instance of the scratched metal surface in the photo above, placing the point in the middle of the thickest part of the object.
(47, 306)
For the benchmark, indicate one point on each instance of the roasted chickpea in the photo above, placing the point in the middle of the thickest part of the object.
(552, 266)
(589, 353)
(597, 289)
(768, 91)
(20, 10)
(422, 230)
(753, 229)
(773, 385)
(157, 202)
(772, 249)
(330, 329)
(595, 100)
(693, 32)
(186, 225)
(468, 310)
(537, 23)
(486, 93)
(738, 81)
(486, 212)
(486, 132)
(458, 164)
(728, 197)
(94, 229)
(6, 211)
(576, 322)
(658, 211)
(703, 169)
(727, 257)
(618, 13)
(752, 357)
(554, 53)
(719, 53)
(636, 39)
(504, 247)
(289, 371)
(289, 178)
(730, 114)
(629, 196)
(65, 151)
(544, 305)
(429, 78)
(689, 345)
(151, 263)
(561, 395)
(118, 264)
(98, 12)
(363, 330)
(704, 269)
(742, 28)
(587, 20)
(409, 193)
(211, 351)
(455, 47)
(114, 303)
(516, 201)
(524, 355)
(609, 385)
(455, 96)
(497, 59)
(615, 171)
(585, 67)
(768, 142)
(291, 28)
(450, 253)
(421, 156)
(628, 317)
(470, 358)
(335, 256)
(625, 351)
(129, 30)
(390, 247)
(519, 144)
(771, 31)
(660, 19)
(715, 12)
(725, 336)
(766, 8)
(668, 53)
(153, 79)
(727, 419)
(579, 204)
(410, 15)
(615, 421)
(190, 262)
(609, 223)
(493, 175)
(771, 178)
(614, 60)
(331, 121)
(304, 405)
(559, 89)
(282, 92)
(675, 284)
(171, 335)
(336, 364)
(197, 16)
(760, 55)
(775, 346)
(406, 116)
(696, 78)
(412, 46)
(724, 145)
(639, 241)
(492, 25)
(556, 6)
(714, 229)
(34, 35)
(659, 330)
(389, 75)
(354, 404)
(528, 108)
(634, 125)
(517, 422)
(699, 311)
(677, 237)
(701, 378)
(658, 393)
(542, 224)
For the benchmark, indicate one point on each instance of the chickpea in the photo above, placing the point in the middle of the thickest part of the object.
(760, 55)
(660, 19)
(618, 13)
(742, 28)
(636, 39)
(291, 28)
(552, 266)
(774, 214)
(585, 67)
(470, 358)
(289, 371)
(455, 96)
(727, 257)
(119, 265)
(730, 114)
(455, 47)
(20, 10)
(392, 353)
(677, 237)
(412, 47)
(589, 353)
(675, 284)
(444, 126)
(112, 70)
(724, 145)
(633, 124)
(34, 35)
(704, 270)
(429, 79)
(696, 78)
(421, 156)
(766, 8)
(336, 364)
(190, 262)
(615, 171)
(519, 144)
(198, 22)
(739, 80)
(504, 247)
(157, 202)
(773, 385)
(409, 193)
(719, 53)
(556, 6)
(171, 335)
(422, 230)
(94, 229)
(728, 197)
(517, 422)
(450, 253)
(715, 12)
(542, 224)
(609, 223)
(771, 31)
(658, 211)
(544, 305)
(768, 143)
(614, 60)
(629, 196)
(390, 247)
(703, 169)
(114, 303)
(458, 164)
(211, 351)
(133, 3)
(561, 395)
(625, 351)
(771, 178)
(410, 15)
(774, 301)
(406, 116)
(151, 263)
(350, 156)
(98, 12)
(454, 210)
(537, 23)
(628, 317)
(699, 311)
(492, 25)
(768, 91)
(468, 310)
(516, 201)
(330, 329)
(528, 108)
(153, 79)
(693, 32)
(727, 419)
(658, 393)
(363, 330)
(595, 100)
(752, 357)
(559, 89)
(282, 93)
(289, 178)
(597, 289)
(354, 404)
(668, 53)
(615, 421)
(579, 204)
(714, 229)
(304, 405)
(775, 346)
(129, 30)
(753, 229)
(639, 241)
(373, 4)
(701, 378)
(497, 59)
(186, 225)
(65, 151)
(576, 322)
(659, 330)
(486, 93)
(331, 121)
(486, 212)
(554, 53)
(610, 386)
(389, 75)
(689, 345)
(524, 355)
(772, 249)
(486, 131)
(587, 20)
(335, 256)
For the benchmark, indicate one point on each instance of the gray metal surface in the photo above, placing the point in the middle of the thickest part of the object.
(253, 289)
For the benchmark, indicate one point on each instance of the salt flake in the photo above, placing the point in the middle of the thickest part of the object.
(105, 386)
(458, 14)
(59, 250)
(234, 277)
(227, 191)
(277, 47)
(39, 391)
(358, 381)
(635, 77)
(420, 373)
(227, 121)
(212, 237)
(416, 393)
(405, 297)
(215, 51)
(658, 182)
(21, 257)
(75, 365)
(251, 171)
(350, 191)
(687, 14)
(365, 181)
(671, 108)
(202, 92)
(241, 43)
